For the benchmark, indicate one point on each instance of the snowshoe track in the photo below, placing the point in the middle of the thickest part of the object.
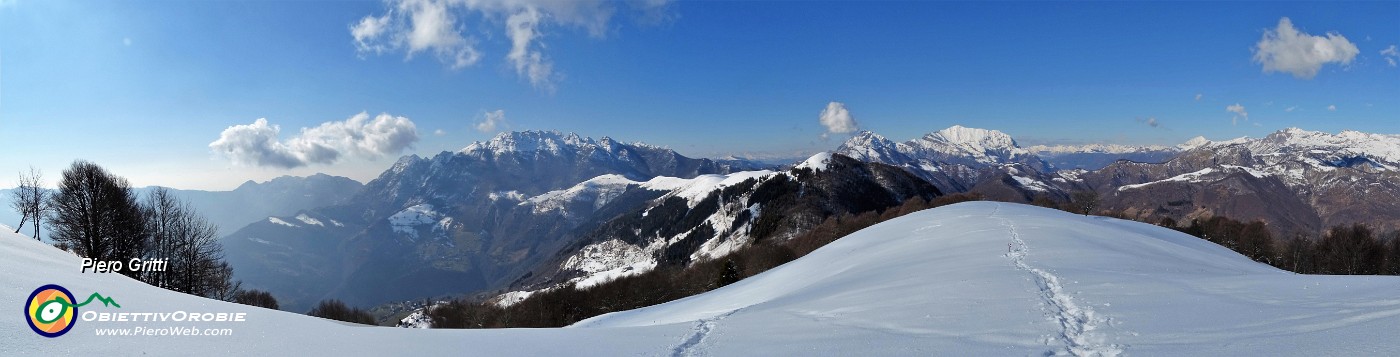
(1077, 324)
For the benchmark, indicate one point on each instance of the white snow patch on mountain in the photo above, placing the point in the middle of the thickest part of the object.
(1031, 184)
(694, 190)
(817, 162)
(1252, 171)
(613, 274)
(514, 297)
(600, 190)
(1186, 177)
(512, 195)
(280, 221)
(408, 220)
(611, 259)
(419, 318)
(308, 220)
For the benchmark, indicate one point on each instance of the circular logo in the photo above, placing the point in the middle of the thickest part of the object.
(50, 310)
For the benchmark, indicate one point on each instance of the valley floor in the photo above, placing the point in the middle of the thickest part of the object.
(977, 278)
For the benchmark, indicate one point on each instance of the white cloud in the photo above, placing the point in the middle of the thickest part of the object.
(441, 26)
(439, 132)
(1198, 97)
(1391, 55)
(523, 29)
(1291, 109)
(1239, 113)
(837, 120)
(258, 144)
(1150, 121)
(1285, 49)
(417, 26)
(492, 120)
(1332, 108)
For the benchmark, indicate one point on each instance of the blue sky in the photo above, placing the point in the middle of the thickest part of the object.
(145, 87)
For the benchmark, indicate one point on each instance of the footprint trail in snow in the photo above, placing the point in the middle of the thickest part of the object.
(1077, 324)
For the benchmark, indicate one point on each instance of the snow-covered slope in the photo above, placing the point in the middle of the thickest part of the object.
(944, 282)
(596, 191)
(969, 279)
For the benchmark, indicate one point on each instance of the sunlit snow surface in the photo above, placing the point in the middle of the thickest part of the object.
(970, 279)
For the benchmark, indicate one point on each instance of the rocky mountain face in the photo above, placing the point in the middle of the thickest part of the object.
(456, 222)
(1293, 179)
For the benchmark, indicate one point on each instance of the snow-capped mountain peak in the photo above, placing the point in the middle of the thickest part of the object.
(869, 146)
(980, 145)
(1347, 146)
(1195, 142)
(974, 138)
(817, 162)
(529, 141)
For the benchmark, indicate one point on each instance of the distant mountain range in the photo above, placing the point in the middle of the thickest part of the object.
(462, 221)
(1295, 180)
(1096, 156)
(250, 202)
(538, 209)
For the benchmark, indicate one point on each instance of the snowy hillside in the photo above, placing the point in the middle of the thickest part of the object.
(976, 278)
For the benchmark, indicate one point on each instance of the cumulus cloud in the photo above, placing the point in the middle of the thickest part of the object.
(439, 132)
(1391, 55)
(492, 120)
(1285, 49)
(1290, 109)
(1332, 108)
(449, 28)
(258, 144)
(416, 26)
(1239, 113)
(837, 120)
(1198, 97)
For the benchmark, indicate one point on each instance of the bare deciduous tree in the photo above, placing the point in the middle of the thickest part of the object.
(31, 200)
(1086, 201)
(96, 213)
